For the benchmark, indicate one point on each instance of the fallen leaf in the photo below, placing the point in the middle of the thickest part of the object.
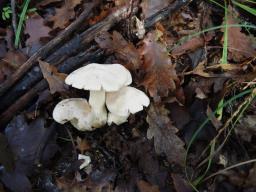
(190, 45)
(150, 7)
(54, 78)
(147, 187)
(36, 29)
(47, 2)
(180, 184)
(124, 51)
(164, 133)
(240, 45)
(246, 128)
(6, 156)
(16, 181)
(64, 14)
(11, 62)
(31, 144)
(160, 77)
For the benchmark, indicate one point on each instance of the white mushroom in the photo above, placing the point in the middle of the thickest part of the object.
(98, 79)
(86, 160)
(123, 102)
(75, 110)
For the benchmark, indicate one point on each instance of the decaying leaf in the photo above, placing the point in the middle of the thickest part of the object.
(125, 52)
(246, 129)
(180, 184)
(6, 156)
(30, 143)
(147, 187)
(36, 29)
(53, 77)
(64, 14)
(11, 62)
(160, 77)
(47, 2)
(164, 133)
(150, 7)
(16, 181)
(240, 46)
(191, 45)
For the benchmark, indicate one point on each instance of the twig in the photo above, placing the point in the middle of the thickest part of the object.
(45, 50)
(84, 38)
(14, 17)
(22, 101)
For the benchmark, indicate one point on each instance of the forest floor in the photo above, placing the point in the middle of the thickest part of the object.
(195, 60)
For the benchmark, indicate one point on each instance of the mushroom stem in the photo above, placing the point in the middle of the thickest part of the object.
(97, 101)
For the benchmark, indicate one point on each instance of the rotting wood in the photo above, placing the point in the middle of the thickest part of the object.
(69, 65)
(45, 50)
(86, 37)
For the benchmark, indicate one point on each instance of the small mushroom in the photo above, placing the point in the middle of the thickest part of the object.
(75, 110)
(123, 102)
(86, 160)
(98, 79)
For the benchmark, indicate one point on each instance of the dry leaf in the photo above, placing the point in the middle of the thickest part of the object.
(47, 2)
(164, 133)
(180, 184)
(53, 77)
(147, 187)
(36, 29)
(125, 52)
(240, 45)
(11, 62)
(64, 14)
(246, 128)
(160, 72)
(150, 7)
(189, 45)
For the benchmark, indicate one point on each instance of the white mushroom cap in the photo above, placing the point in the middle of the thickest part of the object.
(125, 101)
(96, 77)
(75, 110)
(117, 119)
(86, 160)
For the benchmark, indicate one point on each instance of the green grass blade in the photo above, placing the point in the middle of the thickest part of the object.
(21, 21)
(224, 59)
(232, 99)
(246, 8)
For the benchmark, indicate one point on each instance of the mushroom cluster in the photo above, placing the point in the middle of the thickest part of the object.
(111, 100)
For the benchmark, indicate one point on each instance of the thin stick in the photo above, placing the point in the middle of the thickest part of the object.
(14, 17)
(45, 50)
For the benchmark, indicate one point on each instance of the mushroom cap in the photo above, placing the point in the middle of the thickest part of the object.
(125, 101)
(75, 110)
(96, 77)
(117, 119)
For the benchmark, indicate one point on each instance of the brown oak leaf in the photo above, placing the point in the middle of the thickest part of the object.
(240, 45)
(164, 133)
(125, 52)
(53, 77)
(64, 14)
(36, 29)
(160, 74)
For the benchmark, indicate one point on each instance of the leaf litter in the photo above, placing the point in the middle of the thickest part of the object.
(184, 79)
